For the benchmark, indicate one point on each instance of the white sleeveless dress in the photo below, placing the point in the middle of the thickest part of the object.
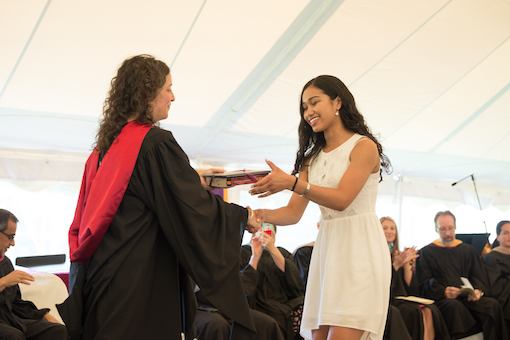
(350, 270)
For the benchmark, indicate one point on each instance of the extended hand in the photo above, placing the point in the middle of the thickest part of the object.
(275, 182)
(203, 181)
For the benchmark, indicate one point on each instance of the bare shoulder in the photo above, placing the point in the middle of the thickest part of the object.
(365, 146)
(365, 153)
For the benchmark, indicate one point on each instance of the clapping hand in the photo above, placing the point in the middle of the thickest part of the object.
(404, 258)
(256, 246)
(266, 240)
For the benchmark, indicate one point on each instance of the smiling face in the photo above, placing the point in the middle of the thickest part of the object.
(319, 109)
(5, 241)
(161, 104)
(504, 236)
(390, 230)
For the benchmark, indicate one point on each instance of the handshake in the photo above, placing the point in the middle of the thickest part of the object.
(255, 217)
(255, 220)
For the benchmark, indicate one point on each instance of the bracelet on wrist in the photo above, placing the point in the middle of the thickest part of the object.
(250, 214)
(306, 190)
(294, 186)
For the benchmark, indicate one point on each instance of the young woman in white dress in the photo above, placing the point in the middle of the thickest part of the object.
(339, 163)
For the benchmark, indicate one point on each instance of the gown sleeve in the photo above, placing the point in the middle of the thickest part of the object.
(26, 309)
(302, 260)
(291, 278)
(203, 230)
(429, 286)
(477, 274)
(10, 298)
(250, 276)
(498, 275)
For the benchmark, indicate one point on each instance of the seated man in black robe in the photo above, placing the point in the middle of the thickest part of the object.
(211, 324)
(497, 265)
(20, 319)
(440, 267)
(272, 281)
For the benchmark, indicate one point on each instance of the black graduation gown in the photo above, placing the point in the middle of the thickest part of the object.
(166, 228)
(497, 266)
(211, 324)
(302, 258)
(272, 291)
(440, 267)
(12, 307)
(20, 315)
(411, 312)
(395, 328)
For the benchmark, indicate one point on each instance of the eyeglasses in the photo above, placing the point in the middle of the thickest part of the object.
(9, 236)
(442, 230)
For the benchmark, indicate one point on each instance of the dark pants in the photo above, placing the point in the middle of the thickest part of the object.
(463, 317)
(395, 327)
(214, 326)
(35, 330)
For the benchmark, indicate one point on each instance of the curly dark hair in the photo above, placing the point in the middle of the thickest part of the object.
(137, 83)
(311, 143)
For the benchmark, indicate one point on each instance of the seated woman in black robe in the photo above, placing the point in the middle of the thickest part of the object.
(497, 264)
(272, 281)
(424, 322)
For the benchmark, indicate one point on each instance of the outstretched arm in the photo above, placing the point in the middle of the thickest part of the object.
(364, 160)
(290, 214)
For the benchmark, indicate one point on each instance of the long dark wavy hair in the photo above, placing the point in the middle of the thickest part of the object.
(311, 143)
(137, 83)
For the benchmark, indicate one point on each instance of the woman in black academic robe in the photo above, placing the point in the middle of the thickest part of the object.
(271, 290)
(497, 265)
(422, 321)
(145, 224)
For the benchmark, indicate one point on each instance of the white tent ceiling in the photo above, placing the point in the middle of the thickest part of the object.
(431, 77)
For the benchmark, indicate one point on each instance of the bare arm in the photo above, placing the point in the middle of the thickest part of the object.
(292, 213)
(268, 242)
(256, 252)
(364, 161)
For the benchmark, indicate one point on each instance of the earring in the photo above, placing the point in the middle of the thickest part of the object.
(337, 112)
